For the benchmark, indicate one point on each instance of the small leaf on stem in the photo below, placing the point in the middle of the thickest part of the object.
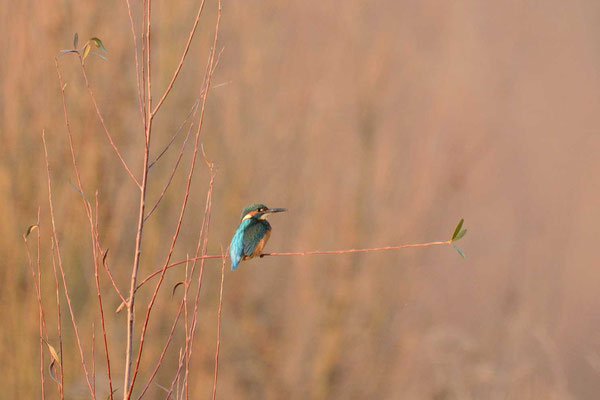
(98, 44)
(460, 235)
(457, 230)
(86, 50)
(75, 40)
(459, 251)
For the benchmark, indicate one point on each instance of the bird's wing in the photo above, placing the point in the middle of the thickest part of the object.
(252, 235)
(236, 248)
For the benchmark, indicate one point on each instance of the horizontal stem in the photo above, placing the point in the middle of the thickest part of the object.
(303, 253)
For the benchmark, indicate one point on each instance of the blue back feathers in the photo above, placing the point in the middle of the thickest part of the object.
(247, 236)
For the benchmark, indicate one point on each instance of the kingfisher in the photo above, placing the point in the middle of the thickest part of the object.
(252, 234)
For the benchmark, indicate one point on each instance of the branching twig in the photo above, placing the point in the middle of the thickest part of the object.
(192, 114)
(137, 64)
(172, 173)
(185, 51)
(112, 280)
(203, 232)
(108, 135)
(183, 305)
(164, 351)
(183, 208)
(177, 373)
(93, 229)
(127, 379)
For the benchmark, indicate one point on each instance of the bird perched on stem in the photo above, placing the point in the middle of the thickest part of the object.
(252, 234)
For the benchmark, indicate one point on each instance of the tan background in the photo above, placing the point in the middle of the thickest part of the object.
(374, 123)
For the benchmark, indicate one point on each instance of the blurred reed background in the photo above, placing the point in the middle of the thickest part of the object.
(374, 124)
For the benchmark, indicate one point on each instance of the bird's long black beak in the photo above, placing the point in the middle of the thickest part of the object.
(275, 210)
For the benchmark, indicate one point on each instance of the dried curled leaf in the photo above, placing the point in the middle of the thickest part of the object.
(31, 229)
(51, 368)
(53, 352)
(176, 286)
(104, 257)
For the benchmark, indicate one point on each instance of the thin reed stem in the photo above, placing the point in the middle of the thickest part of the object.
(62, 272)
(180, 65)
(303, 253)
(38, 293)
(96, 251)
(61, 384)
(214, 393)
(183, 208)
(106, 131)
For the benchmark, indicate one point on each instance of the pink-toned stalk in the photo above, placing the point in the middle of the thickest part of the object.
(94, 358)
(59, 324)
(185, 51)
(187, 286)
(302, 253)
(128, 379)
(37, 287)
(93, 229)
(214, 394)
(101, 118)
(137, 64)
(183, 208)
(205, 229)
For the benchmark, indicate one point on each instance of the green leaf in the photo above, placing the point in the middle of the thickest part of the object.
(86, 50)
(75, 40)
(460, 235)
(457, 230)
(98, 44)
(459, 251)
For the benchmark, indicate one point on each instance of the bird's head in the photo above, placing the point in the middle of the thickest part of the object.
(259, 211)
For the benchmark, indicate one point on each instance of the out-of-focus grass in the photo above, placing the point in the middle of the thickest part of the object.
(373, 125)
